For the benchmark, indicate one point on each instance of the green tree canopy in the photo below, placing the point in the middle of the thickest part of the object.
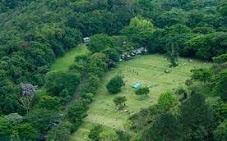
(115, 84)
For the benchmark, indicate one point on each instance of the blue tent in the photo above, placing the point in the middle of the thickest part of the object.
(137, 85)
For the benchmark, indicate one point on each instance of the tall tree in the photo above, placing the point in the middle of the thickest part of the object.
(165, 128)
(196, 118)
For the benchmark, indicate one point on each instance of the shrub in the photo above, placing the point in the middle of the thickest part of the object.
(220, 59)
(49, 102)
(26, 131)
(143, 91)
(76, 113)
(220, 133)
(166, 100)
(100, 42)
(203, 75)
(120, 102)
(60, 133)
(59, 81)
(95, 132)
(115, 84)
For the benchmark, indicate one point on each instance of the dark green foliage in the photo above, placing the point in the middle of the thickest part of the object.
(97, 64)
(123, 136)
(196, 118)
(26, 131)
(115, 84)
(220, 59)
(62, 84)
(166, 101)
(172, 17)
(143, 91)
(49, 102)
(60, 133)
(139, 30)
(8, 95)
(76, 113)
(221, 83)
(42, 119)
(91, 84)
(220, 133)
(45, 29)
(203, 30)
(209, 45)
(100, 42)
(4, 128)
(218, 111)
(165, 128)
(181, 93)
(112, 54)
(173, 56)
(120, 102)
(95, 132)
(143, 119)
(203, 75)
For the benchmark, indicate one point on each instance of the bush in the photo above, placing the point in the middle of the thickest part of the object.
(76, 113)
(143, 91)
(60, 133)
(4, 128)
(100, 42)
(220, 59)
(57, 82)
(203, 75)
(26, 132)
(220, 85)
(43, 119)
(49, 102)
(115, 84)
(94, 133)
(220, 133)
(108, 135)
(120, 102)
(166, 100)
(112, 54)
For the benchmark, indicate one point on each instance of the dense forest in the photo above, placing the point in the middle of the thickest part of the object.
(37, 104)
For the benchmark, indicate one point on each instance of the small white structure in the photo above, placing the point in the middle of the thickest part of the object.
(86, 40)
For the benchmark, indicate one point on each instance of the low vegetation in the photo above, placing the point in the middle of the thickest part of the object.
(127, 68)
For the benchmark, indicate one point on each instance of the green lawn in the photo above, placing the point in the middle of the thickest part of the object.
(149, 70)
(63, 63)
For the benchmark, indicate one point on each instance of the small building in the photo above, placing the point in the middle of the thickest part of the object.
(86, 40)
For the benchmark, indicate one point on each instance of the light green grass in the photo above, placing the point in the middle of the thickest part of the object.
(150, 70)
(63, 63)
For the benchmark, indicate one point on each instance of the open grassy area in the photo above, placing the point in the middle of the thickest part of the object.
(63, 63)
(148, 70)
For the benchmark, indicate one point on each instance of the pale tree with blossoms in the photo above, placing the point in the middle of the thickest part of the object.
(27, 95)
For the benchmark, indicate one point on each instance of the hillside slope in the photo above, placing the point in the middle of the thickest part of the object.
(148, 70)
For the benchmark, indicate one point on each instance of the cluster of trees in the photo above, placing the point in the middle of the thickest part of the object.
(187, 114)
(99, 133)
(29, 44)
(44, 30)
(32, 40)
(115, 84)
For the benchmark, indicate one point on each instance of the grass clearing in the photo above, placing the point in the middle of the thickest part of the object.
(63, 63)
(148, 70)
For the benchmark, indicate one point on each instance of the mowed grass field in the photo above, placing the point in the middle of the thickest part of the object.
(148, 70)
(63, 63)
